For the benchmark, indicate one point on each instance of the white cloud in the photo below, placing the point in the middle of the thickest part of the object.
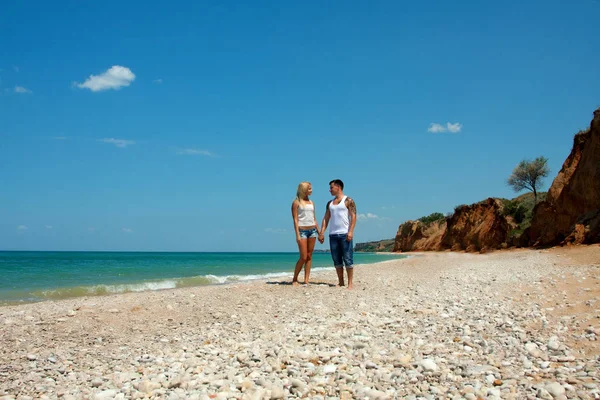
(115, 77)
(370, 216)
(449, 127)
(48, 226)
(117, 142)
(364, 217)
(195, 152)
(436, 128)
(22, 90)
(275, 230)
(454, 128)
(22, 228)
(127, 230)
(158, 81)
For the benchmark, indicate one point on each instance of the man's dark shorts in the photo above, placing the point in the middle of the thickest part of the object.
(342, 251)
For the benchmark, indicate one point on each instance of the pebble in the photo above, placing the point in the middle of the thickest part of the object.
(429, 365)
(555, 389)
(553, 343)
(97, 382)
(105, 395)
(329, 369)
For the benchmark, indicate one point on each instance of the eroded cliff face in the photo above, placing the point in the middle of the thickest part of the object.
(415, 236)
(571, 211)
(478, 227)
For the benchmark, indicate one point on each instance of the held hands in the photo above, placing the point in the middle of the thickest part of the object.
(321, 238)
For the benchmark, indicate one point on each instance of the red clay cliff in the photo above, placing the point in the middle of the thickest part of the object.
(478, 227)
(571, 212)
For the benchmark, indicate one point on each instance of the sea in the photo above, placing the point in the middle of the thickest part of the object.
(27, 277)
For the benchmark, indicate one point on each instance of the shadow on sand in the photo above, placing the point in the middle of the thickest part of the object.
(289, 283)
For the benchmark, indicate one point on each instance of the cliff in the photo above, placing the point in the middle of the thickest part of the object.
(571, 211)
(479, 227)
(418, 236)
(371, 247)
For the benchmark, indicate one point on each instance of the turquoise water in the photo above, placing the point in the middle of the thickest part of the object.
(38, 276)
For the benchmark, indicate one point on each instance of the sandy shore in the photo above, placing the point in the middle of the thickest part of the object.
(514, 324)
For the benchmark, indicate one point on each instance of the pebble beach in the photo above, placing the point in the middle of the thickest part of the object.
(520, 324)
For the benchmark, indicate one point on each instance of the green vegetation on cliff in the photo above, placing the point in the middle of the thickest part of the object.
(372, 247)
(521, 210)
(436, 216)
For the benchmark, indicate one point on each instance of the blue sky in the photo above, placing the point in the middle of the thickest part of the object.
(187, 126)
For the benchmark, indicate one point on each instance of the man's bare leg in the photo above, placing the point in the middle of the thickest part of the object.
(340, 274)
(350, 276)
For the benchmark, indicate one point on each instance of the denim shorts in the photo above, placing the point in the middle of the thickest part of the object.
(342, 251)
(308, 233)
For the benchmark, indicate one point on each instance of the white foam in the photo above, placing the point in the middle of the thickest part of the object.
(216, 279)
(269, 275)
(136, 287)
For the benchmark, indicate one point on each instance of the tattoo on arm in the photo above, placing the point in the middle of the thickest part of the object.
(351, 206)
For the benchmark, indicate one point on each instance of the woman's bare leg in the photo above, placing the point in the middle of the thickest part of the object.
(302, 248)
(310, 246)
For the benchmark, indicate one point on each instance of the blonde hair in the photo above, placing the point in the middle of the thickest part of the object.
(302, 190)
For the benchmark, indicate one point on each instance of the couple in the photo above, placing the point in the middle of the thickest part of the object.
(341, 211)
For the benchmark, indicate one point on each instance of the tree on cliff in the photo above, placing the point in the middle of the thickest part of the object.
(529, 175)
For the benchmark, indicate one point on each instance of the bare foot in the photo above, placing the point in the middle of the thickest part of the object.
(294, 283)
(306, 283)
(349, 287)
(340, 285)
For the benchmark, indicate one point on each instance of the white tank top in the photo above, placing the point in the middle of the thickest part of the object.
(306, 214)
(339, 220)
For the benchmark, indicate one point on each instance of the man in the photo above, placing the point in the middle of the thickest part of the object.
(342, 213)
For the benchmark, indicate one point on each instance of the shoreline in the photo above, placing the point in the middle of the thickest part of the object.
(98, 281)
(441, 324)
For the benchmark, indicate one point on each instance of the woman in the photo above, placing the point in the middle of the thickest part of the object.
(306, 228)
